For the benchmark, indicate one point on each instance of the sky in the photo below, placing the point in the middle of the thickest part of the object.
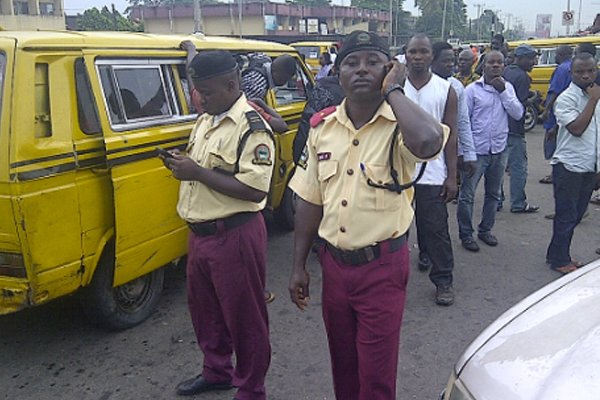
(524, 9)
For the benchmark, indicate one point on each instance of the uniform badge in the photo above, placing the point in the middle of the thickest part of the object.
(324, 156)
(303, 161)
(262, 155)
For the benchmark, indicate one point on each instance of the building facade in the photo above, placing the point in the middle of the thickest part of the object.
(263, 18)
(32, 14)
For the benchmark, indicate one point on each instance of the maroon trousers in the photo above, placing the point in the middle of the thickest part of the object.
(362, 311)
(225, 279)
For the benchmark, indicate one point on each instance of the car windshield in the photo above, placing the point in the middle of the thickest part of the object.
(309, 51)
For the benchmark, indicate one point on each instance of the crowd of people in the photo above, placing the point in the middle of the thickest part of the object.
(378, 139)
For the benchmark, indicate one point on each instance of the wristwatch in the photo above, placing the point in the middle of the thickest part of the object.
(391, 88)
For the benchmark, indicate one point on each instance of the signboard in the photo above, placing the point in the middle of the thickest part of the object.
(543, 25)
(270, 22)
(324, 30)
(302, 26)
(567, 18)
(312, 26)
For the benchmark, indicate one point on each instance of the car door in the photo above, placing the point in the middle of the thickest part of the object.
(142, 109)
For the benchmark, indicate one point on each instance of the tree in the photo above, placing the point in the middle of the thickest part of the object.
(431, 19)
(373, 4)
(106, 20)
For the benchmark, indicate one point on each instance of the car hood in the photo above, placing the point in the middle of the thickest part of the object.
(546, 347)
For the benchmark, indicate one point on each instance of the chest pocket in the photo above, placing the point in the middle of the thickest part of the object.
(326, 173)
(221, 162)
(373, 199)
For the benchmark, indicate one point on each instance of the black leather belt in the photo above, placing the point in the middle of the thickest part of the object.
(366, 254)
(209, 228)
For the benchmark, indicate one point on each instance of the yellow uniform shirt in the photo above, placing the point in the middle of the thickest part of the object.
(329, 173)
(214, 144)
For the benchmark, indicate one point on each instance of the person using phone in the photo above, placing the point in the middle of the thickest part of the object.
(341, 182)
(226, 267)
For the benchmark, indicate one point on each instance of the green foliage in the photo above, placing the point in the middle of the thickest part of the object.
(106, 20)
(430, 21)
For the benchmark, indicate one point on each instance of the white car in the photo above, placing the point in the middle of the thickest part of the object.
(547, 347)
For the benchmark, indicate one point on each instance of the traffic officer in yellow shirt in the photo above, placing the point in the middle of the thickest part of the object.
(225, 178)
(354, 182)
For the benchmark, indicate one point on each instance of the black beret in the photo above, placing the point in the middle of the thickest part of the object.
(208, 64)
(362, 40)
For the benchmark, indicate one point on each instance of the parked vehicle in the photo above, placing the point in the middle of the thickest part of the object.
(547, 347)
(541, 73)
(533, 109)
(312, 51)
(84, 201)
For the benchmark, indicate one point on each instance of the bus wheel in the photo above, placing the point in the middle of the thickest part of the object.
(531, 117)
(124, 306)
(285, 213)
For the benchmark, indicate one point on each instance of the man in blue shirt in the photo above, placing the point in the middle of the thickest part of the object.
(560, 80)
(525, 59)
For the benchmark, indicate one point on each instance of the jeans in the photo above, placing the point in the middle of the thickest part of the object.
(431, 219)
(572, 193)
(491, 167)
(517, 165)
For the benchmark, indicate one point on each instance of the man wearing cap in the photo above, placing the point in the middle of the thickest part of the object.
(225, 177)
(516, 74)
(360, 206)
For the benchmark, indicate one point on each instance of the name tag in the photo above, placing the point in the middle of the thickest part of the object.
(324, 156)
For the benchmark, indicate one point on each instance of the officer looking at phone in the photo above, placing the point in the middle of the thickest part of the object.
(353, 183)
(225, 177)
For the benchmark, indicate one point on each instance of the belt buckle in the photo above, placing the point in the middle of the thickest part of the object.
(369, 253)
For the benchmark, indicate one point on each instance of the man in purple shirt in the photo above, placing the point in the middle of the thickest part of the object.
(491, 100)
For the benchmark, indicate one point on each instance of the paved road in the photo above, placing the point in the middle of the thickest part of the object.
(51, 353)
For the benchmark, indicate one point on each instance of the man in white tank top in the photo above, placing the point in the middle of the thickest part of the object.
(437, 186)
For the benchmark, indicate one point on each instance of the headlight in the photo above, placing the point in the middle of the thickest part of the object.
(456, 390)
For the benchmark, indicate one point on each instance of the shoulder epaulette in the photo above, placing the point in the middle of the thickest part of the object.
(319, 117)
(255, 122)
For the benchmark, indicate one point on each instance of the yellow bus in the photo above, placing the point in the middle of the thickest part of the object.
(542, 72)
(312, 51)
(84, 201)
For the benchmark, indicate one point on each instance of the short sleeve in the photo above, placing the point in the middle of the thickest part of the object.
(565, 109)
(256, 161)
(560, 80)
(305, 182)
(409, 157)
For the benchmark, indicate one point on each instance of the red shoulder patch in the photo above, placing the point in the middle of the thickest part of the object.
(318, 117)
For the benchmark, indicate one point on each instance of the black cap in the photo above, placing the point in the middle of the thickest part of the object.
(362, 40)
(209, 64)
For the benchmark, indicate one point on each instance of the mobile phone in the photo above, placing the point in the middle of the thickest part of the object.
(163, 152)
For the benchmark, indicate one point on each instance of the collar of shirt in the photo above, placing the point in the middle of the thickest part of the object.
(384, 111)
(235, 113)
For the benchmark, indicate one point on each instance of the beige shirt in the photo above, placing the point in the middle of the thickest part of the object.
(214, 144)
(329, 173)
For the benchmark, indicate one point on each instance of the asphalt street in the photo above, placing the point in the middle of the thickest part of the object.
(51, 352)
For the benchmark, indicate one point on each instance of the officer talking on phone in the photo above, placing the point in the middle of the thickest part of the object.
(354, 186)
(225, 177)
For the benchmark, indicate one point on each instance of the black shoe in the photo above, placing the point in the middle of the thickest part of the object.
(198, 385)
(470, 244)
(424, 262)
(488, 239)
(444, 295)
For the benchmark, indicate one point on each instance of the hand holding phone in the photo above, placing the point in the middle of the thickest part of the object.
(163, 153)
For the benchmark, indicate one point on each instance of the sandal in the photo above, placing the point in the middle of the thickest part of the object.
(546, 179)
(565, 269)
